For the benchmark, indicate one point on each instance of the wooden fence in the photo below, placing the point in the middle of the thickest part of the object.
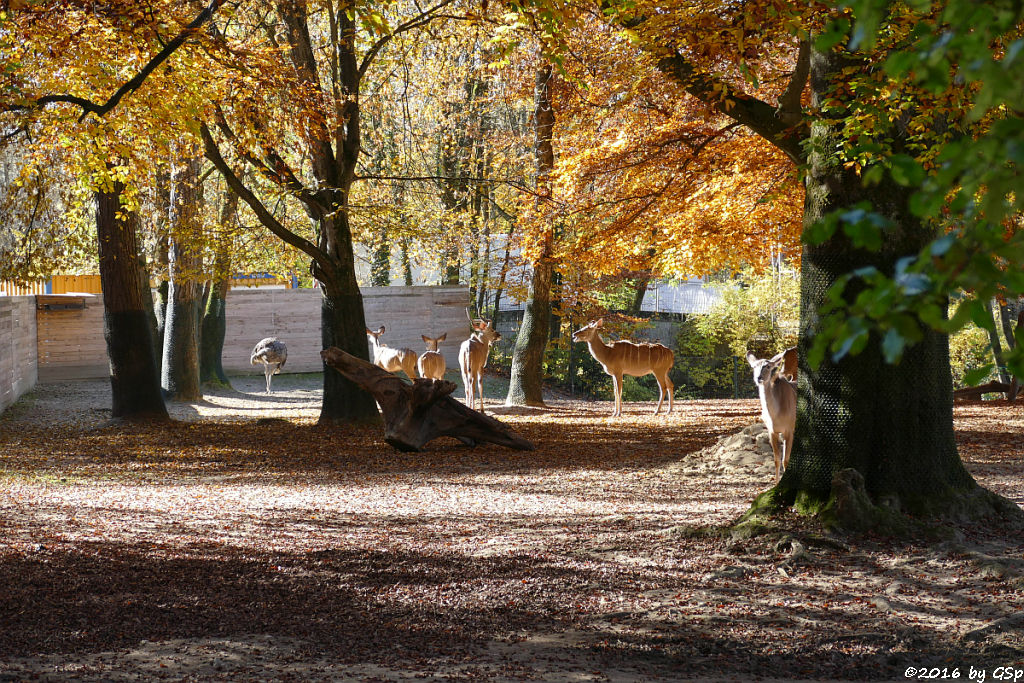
(71, 346)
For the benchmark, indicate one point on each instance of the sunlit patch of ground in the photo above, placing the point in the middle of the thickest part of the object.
(226, 547)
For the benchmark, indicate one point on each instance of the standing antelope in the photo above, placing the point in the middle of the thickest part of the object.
(628, 358)
(473, 358)
(778, 402)
(391, 359)
(431, 364)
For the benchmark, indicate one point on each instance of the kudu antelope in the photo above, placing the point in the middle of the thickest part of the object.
(777, 390)
(629, 358)
(391, 359)
(473, 358)
(431, 363)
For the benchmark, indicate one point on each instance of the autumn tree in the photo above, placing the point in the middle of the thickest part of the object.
(214, 322)
(526, 384)
(134, 375)
(891, 424)
(180, 367)
(314, 95)
(44, 89)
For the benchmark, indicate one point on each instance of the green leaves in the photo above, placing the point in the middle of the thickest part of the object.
(906, 170)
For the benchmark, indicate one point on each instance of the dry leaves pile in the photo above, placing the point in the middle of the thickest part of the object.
(224, 548)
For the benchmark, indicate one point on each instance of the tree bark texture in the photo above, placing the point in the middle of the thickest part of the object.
(893, 424)
(180, 371)
(134, 377)
(527, 381)
(214, 326)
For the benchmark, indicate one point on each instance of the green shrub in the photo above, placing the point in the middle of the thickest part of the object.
(639, 389)
(969, 349)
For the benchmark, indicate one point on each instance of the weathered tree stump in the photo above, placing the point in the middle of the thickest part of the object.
(422, 411)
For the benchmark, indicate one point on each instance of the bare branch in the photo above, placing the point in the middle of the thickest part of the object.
(422, 19)
(266, 218)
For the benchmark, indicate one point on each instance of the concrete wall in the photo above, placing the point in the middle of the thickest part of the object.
(293, 316)
(71, 344)
(18, 369)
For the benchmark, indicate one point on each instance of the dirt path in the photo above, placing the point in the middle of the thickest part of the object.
(222, 548)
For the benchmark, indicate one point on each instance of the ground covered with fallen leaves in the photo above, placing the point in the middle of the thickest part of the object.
(243, 542)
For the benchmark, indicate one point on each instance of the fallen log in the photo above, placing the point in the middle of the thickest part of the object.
(422, 411)
(1011, 390)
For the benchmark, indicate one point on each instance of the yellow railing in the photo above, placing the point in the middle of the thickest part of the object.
(8, 288)
(87, 284)
(90, 284)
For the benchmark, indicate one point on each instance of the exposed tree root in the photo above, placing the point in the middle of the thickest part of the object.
(850, 509)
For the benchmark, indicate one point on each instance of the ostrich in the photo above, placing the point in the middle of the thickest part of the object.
(272, 353)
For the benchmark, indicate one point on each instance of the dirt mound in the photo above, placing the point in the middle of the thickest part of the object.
(748, 452)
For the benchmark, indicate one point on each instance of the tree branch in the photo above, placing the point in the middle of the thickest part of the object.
(753, 113)
(101, 110)
(790, 111)
(277, 170)
(424, 18)
(266, 218)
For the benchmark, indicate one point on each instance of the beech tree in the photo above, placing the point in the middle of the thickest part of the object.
(134, 376)
(328, 53)
(890, 423)
(50, 77)
(180, 368)
(526, 384)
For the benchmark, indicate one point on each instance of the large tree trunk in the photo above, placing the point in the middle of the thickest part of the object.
(180, 372)
(134, 378)
(526, 385)
(161, 225)
(860, 422)
(343, 325)
(892, 424)
(214, 326)
(997, 347)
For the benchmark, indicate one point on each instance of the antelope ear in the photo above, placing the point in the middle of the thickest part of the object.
(752, 359)
(598, 323)
(381, 330)
(368, 331)
(442, 337)
(425, 338)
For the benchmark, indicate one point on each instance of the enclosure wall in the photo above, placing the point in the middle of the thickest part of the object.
(71, 342)
(293, 315)
(18, 369)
